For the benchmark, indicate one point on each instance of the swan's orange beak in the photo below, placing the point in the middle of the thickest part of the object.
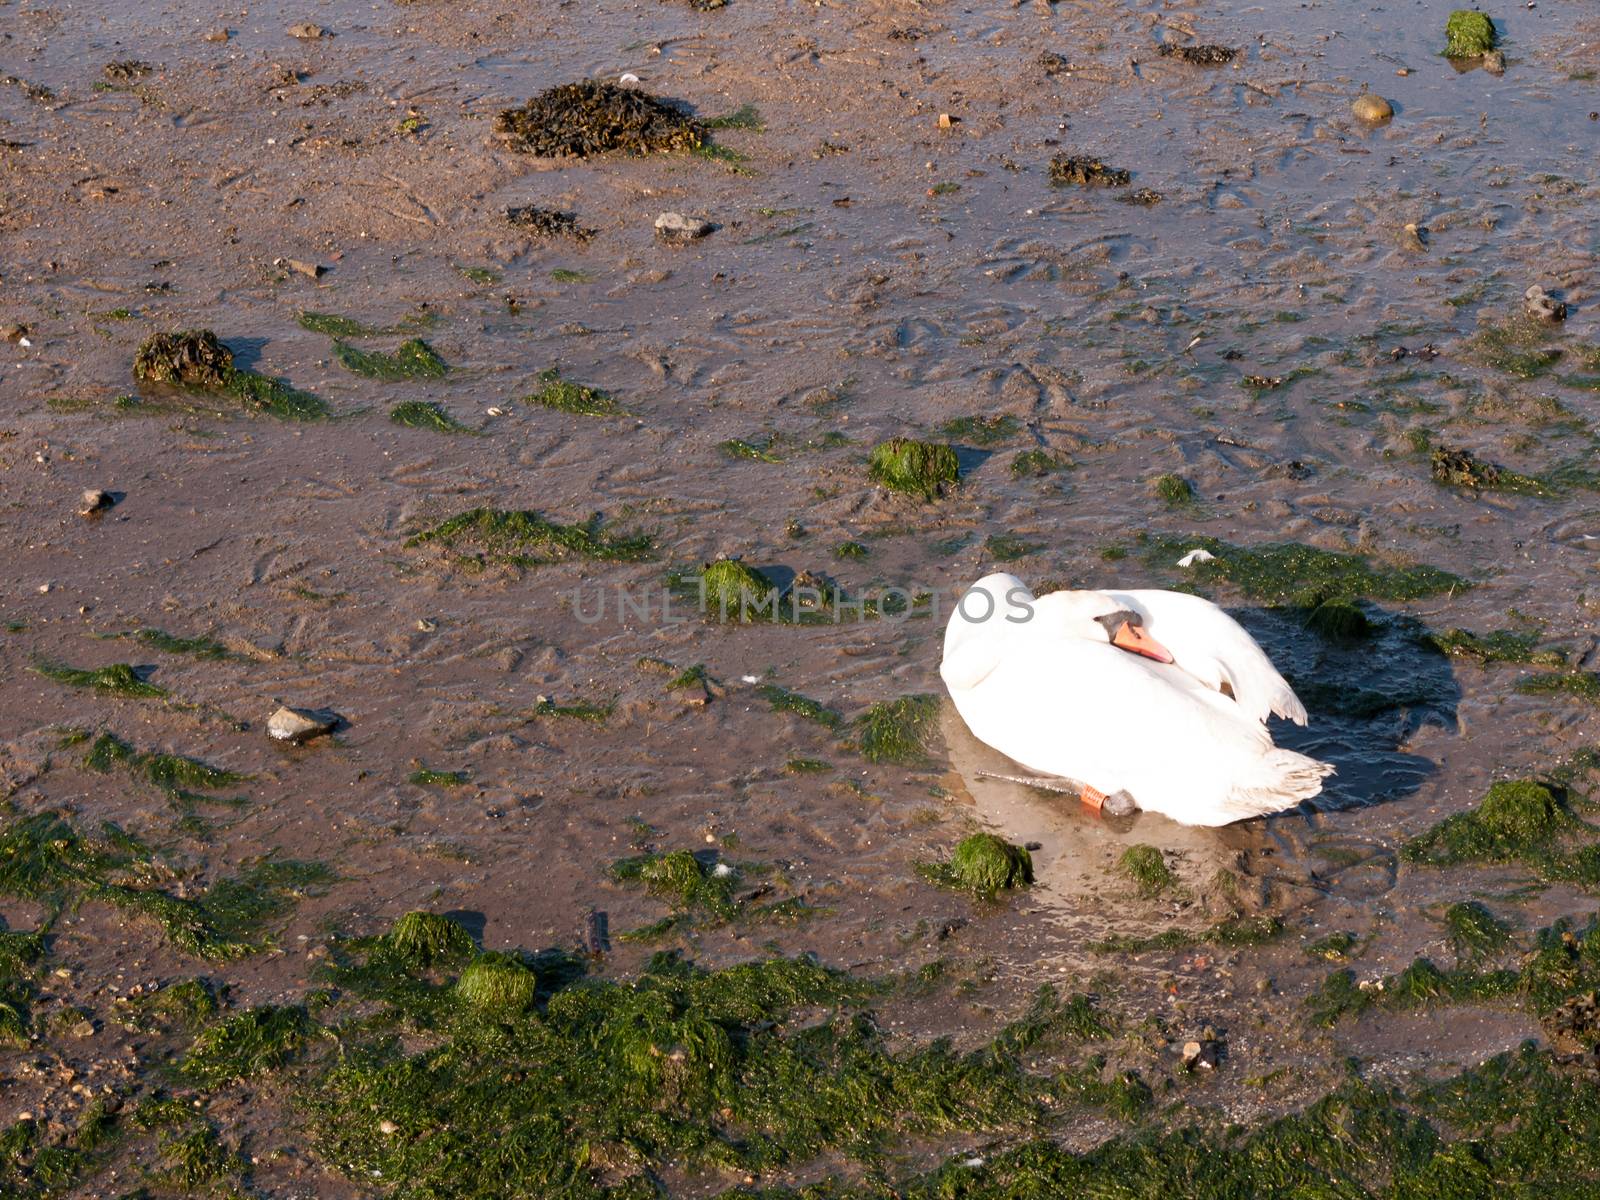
(1135, 640)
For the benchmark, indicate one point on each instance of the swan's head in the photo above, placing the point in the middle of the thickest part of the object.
(1096, 617)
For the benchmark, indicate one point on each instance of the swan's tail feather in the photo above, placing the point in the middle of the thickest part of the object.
(1283, 779)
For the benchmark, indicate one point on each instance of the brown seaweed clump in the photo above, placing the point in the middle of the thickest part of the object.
(548, 222)
(1200, 56)
(575, 120)
(190, 357)
(1084, 170)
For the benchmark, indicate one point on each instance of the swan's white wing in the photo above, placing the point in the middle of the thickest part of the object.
(1216, 650)
(979, 635)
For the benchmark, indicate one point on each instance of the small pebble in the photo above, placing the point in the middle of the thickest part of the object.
(296, 725)
(307, 31)
(675, 227)
(387, 1126)
(1494, 62)
(94, 502)
(1371, 108)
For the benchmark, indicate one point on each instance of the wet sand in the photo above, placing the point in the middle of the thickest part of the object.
(871, 274)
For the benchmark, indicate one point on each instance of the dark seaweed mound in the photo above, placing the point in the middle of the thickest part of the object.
(548, 222)
(576, 120)
(192, 357)
(1084, 170)
(1200, 56)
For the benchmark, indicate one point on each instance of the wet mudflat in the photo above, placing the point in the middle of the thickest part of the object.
(1120, 295)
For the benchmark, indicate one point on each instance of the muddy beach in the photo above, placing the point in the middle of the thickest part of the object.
(564, 886)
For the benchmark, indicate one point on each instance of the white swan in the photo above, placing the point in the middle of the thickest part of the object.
(1158, 694)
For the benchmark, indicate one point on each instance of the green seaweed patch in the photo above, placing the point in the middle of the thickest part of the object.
(594, 714)
(897, 731)
(421, 940)
(1289, 574)
(196, 1160)
(563, 396)
(1086, 170)
(1577, 685)
(247, 1044)
(183, 779)
(205, 648)
(117, 679)
(426, 777)
(1340, 621)
(1229, 933)
(1518, 821)
(426, 414)
(1006, 547)
(746, 116)
(734, 591)
(1421, 985)
(187, 1004)
(1463, 469)
(984, 865)
(1474, 931)
(686, 882)
(1495, 646)
(922, 469)
(1173, 490)
(1334, 948)
(498, 983)
(1148, 869)
(412, 359)
(755, 452)
(982, 431)
(781, 699)
(1036, 464)
(1468, 34)
(807, 766)
(525, 538)
(1517, 346)
(335, 326)
(45, 858)
(196, 360)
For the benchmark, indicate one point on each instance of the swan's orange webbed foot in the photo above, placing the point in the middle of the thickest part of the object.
(1117, 804)
(1093, 798)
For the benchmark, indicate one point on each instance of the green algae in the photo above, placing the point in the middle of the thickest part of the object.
(561, 395)
(420, 940)
(1474, 931)
(681, 1067)
(1421, 985)
(922, 469)
(1495, 646)
(196, 360)
(498, 983)
(984, 865)
(781, 699)
(807, 766)
(118, 679)
(1085, 170)
(335, 326)
(851, 549)
(1333, 948)
(594, 714)
(1517, 346)
(1520, 821)
(1289, 574)
(1173, 490)
(1148, 869)
(196, 1159)
(187, 1004)
(1468, 34)
(526, 538)
(1578, 685)
(181, 778)
(682, 878)
(426, 414)
(1339, 621)
(423, 777)
(247, 1044)
(733, 591)
(1229, 933)
(45, 858)
(412, 359)
(897, 731)
(739, 448)
(1005, 547)
(204, 648)
(1035, 464)
(981, 430)
(1463, 469)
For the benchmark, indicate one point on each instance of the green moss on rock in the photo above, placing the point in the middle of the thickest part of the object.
(497, 983)
(731, 590)
(1468, 34)
(1516, 819)
(898, 731)
(921, 469)
(1148, 869)
(984, 865)
(424, 939)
